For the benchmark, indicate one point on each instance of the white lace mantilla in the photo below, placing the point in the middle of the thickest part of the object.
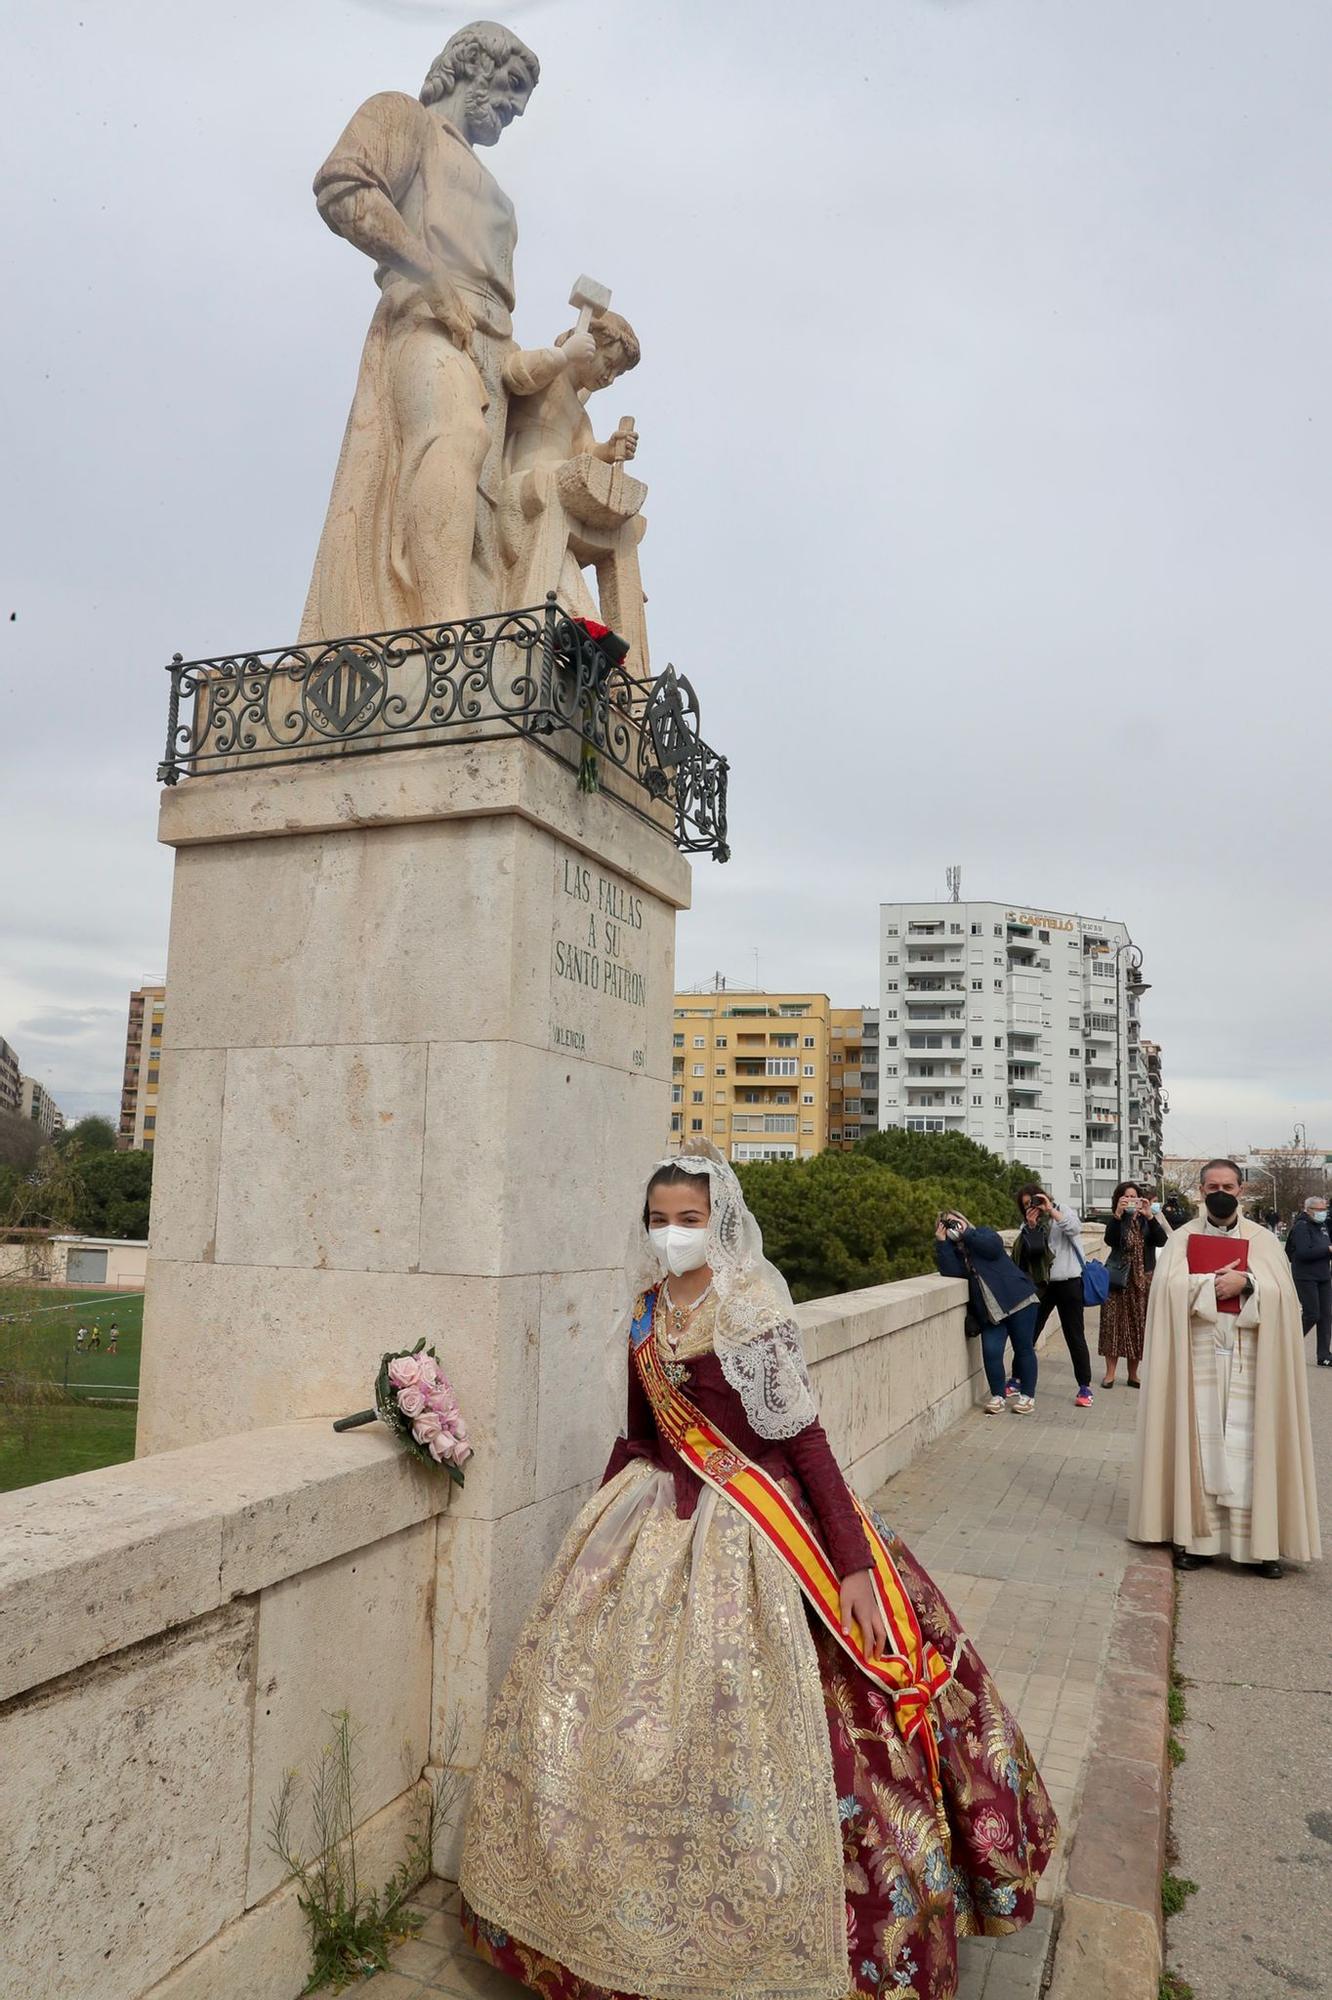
(756, 1338)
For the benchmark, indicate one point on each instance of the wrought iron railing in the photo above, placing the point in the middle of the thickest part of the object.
(536, 673)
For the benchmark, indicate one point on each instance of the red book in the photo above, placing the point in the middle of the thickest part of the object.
(1214, 1253)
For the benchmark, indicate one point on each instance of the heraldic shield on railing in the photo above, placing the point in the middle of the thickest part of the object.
(537, 673)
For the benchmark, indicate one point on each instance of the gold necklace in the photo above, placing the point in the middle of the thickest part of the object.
(680, 1316)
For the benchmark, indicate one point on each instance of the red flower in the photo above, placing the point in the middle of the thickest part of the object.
(991, 1828)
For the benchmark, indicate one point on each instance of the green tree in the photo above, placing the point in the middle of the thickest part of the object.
(102, 1193)
(90, 1135)
(943, 1156)
(117, 1191)
(45, 1195)
(844, 1220)
(20, 1141)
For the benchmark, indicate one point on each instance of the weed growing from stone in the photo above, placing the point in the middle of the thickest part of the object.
(1176, 1706)
(1172, 1987)
(352, 1929)
(1175, 1892)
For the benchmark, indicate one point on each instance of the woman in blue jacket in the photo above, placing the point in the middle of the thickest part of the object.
(1003, 1299)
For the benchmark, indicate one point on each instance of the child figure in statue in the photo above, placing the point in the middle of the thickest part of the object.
(743, 1748)
(548, 392)
(550, 521)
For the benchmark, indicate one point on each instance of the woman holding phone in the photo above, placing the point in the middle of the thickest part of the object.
(1133, 1235)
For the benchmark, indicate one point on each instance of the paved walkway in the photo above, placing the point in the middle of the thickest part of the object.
(1252, 1805)
(1021, 1522)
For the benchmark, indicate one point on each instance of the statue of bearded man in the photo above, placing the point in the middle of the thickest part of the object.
(409, 538)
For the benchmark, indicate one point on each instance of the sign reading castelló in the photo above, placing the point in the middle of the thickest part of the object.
(599, 988)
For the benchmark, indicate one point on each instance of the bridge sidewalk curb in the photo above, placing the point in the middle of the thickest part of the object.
(1110, 1939)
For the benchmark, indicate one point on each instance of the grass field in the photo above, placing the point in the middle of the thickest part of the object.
(37, 1340)
(70, 1437)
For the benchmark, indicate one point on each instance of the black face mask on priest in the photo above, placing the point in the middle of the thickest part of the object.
(1220, 1183)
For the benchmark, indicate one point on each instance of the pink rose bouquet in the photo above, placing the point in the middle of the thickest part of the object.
(415, 1398)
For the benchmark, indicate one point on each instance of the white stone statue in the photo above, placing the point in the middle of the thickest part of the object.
(410, 535)
(566, 501)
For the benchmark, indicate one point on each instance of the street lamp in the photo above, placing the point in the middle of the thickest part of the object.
(1134, 965)
(1079, 1182)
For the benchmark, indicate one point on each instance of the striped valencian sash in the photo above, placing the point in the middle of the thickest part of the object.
(913, 1671)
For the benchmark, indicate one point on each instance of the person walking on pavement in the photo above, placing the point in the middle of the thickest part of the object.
(1004, 1302)
(1049, 1250)
(1133, 1235)
(1309, 1249)
(1223, 1459)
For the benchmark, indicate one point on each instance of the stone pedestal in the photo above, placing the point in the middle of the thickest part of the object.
(417, 1060)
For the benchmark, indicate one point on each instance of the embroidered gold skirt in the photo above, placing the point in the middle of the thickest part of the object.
(689, 1792)
(655, 1807)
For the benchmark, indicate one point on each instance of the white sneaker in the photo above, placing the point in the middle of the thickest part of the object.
(995, 1407)
(1022, 1406)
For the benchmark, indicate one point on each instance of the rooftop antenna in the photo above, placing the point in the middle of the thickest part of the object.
(955, 884)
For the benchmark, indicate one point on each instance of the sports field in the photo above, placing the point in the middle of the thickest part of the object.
(63, 1408)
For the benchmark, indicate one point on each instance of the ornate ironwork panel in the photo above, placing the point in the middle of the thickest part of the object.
(535, 672)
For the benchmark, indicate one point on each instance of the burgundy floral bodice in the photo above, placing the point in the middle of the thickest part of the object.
(804, 1463)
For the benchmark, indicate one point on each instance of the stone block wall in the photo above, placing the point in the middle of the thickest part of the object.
(176, 1633)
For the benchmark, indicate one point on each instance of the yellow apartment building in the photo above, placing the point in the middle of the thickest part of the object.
(848, 1094)
(143, 1057)
(749, 1071)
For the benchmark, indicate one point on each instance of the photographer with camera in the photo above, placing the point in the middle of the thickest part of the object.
(1049, 1250)
(1002, 1301)
(1133, 1235)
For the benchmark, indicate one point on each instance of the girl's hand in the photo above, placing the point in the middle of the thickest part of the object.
(860, 1603)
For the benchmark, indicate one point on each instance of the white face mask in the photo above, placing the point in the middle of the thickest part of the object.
(1319, 1214)
(680, 1250)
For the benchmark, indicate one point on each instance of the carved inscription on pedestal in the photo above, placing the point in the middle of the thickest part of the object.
(599, 964)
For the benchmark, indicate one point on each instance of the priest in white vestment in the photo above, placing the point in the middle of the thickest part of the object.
(1223, 1463)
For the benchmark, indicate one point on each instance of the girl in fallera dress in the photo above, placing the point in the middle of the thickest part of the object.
(743, 1751)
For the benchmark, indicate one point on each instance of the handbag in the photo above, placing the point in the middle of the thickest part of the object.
(1117, 1270)
(1095, 1279)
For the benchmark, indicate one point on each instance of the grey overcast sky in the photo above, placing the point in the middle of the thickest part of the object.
(985, 412)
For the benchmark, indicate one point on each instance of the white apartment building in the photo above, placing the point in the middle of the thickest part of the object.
(38, 1105)
(1018, 1027)
(11, 1079)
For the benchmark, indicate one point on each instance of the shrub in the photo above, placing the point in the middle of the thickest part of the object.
(844, 1221)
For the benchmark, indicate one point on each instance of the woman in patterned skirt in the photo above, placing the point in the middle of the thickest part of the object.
(744, 1750)
(1133, 1235)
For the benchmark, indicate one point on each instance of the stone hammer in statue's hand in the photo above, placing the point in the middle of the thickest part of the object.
(590, 298)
